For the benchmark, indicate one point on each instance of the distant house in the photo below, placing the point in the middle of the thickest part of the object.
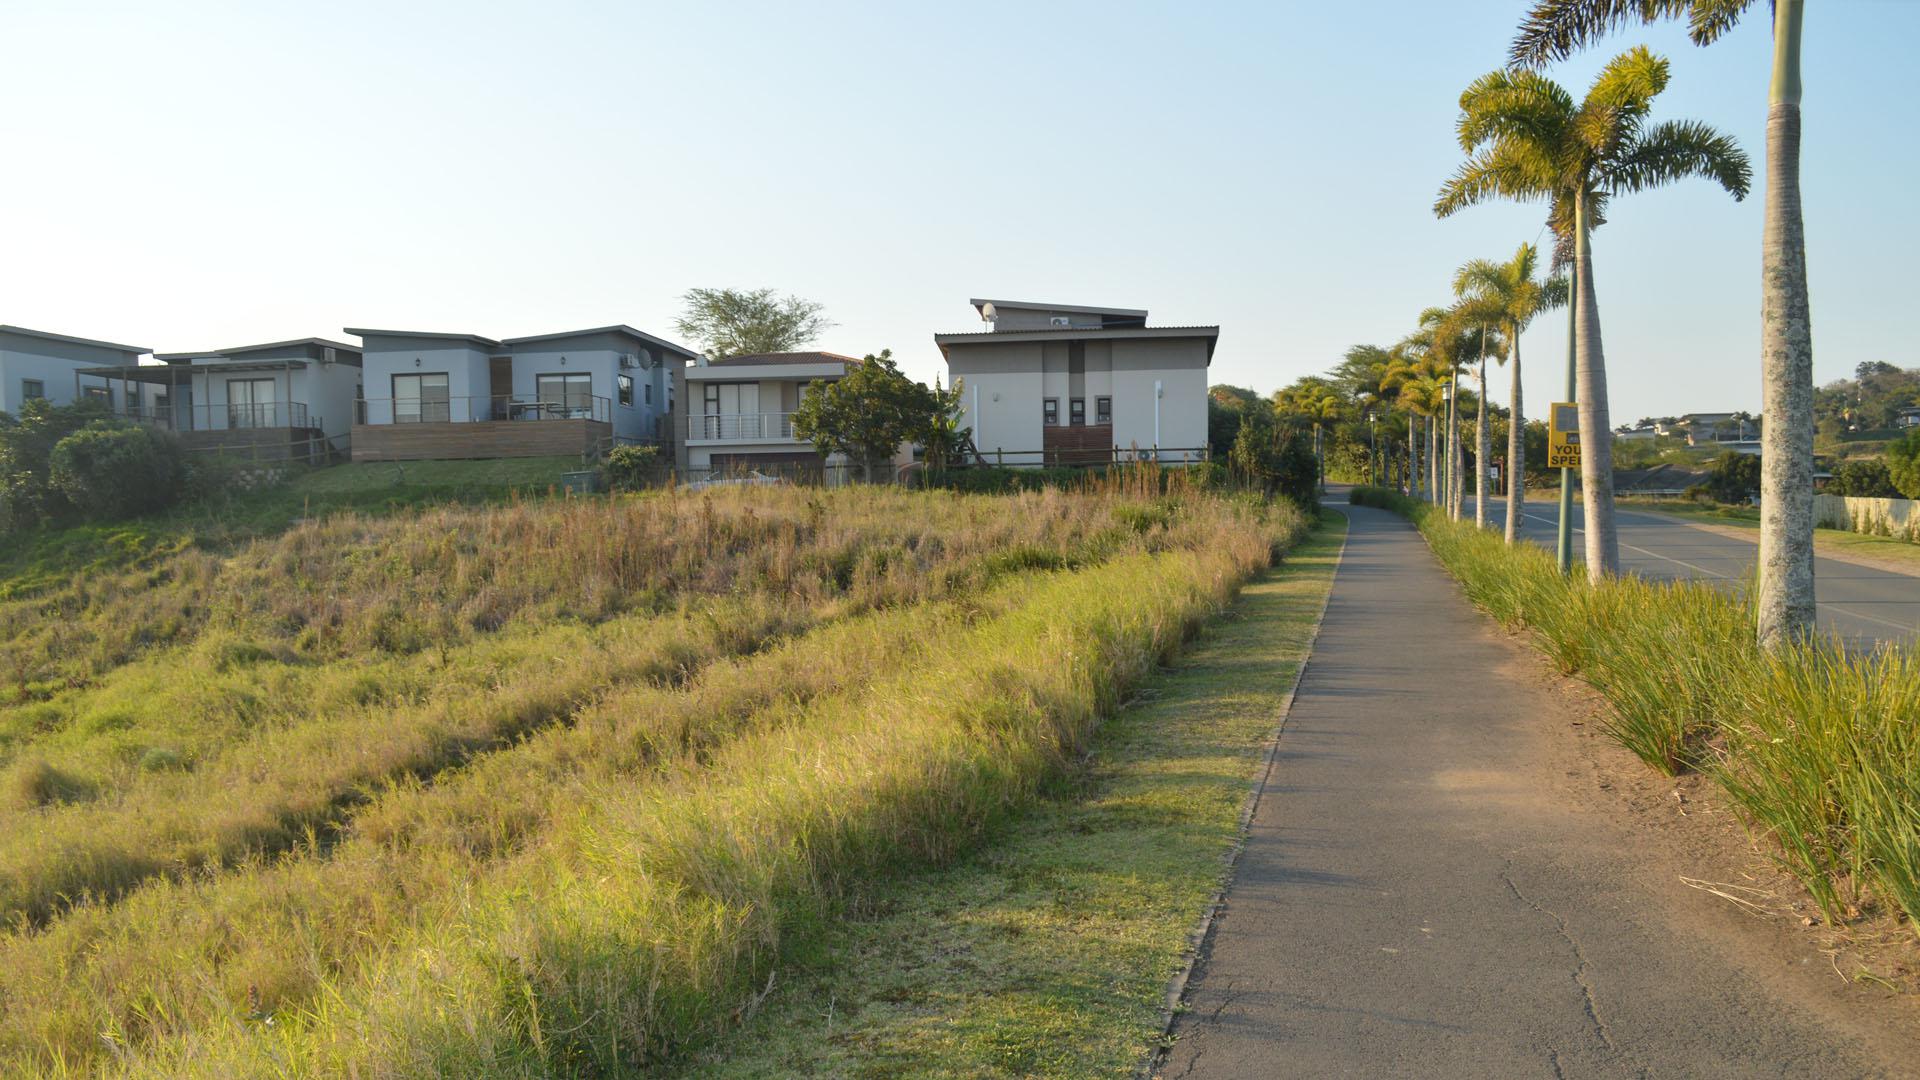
(60, 368)
(739, 411)
(278, 400)
(450, 395)
(1908, 417)
(1645, 433)
(1062, 383)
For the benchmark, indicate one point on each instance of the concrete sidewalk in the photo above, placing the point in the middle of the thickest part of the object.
(1420, 897)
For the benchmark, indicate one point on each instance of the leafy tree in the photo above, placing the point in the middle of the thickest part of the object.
(1735, 477)
(1526, 138)
(1234, 397)
(1868, 478)
(1510, 291)
(1267, 457)
(27, 496)
(109, 470)
(1903, 463)
(872, 410)
(633, 468)
(735, 322)
(1553, 30)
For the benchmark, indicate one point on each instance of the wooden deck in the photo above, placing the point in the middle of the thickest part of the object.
(262, 443)
(483, 439)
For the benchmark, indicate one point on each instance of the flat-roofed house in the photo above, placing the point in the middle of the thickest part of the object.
(40, 364)
(1068, 384)
(457, 395)
(739, 414)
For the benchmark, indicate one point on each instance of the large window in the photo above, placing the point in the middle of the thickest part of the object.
(421, 399)
(250, 403)
(1077, 412)
(625, 385)
(31, 389)
(1050, 411)
(566, 395)
(1103, 410)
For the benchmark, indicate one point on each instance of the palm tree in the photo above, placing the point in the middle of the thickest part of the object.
(1512, 296)
(1481, 313)
(1401, 380)
(1423, 394)
(1552, 31)
(1315, 401)
(1527, 139)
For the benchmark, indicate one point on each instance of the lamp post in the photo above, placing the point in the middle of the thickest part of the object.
(1446, 448)
(1373, 447)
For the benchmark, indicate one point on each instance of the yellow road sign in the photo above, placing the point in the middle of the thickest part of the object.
(1563, 436)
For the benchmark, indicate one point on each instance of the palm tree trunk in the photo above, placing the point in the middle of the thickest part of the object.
(1433, 460)
(1785, 601)
(1453, 444)
(1413, 456)
(1516, 446)
(1596, 444)
(1482, 443)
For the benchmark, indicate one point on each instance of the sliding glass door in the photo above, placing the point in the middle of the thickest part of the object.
(250, 403)
(421, 399)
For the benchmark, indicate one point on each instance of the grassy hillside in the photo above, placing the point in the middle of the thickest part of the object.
(544, 785)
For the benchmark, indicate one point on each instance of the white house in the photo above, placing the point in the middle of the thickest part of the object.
(1066, 384)
(739, 412)
(434, 395)
(37, 364)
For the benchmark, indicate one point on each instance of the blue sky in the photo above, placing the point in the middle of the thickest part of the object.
(198, 175)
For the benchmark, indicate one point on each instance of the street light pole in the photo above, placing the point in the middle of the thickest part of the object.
(1563, 548)
(1373, 447)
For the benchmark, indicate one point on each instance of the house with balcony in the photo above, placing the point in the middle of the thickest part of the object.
(277, 401)
(60, 368)
(1064, 384)
(455, 395)
(739, 412)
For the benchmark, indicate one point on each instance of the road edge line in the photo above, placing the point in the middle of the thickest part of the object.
(1269, 757)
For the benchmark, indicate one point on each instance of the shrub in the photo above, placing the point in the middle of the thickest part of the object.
(1867, 478)
(631, 468)
(1735, 477)
(1903, 463)
(109, 471)
(27, 498)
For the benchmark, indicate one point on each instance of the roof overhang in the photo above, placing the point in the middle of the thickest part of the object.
(1210, 334)
(619, 328)
(169, 373)
(1070, 309)
(832, 369)
(70, 340)
(422, 335)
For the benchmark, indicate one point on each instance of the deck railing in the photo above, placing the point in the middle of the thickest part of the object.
(746, 426)
(218, 417)
(480, 408)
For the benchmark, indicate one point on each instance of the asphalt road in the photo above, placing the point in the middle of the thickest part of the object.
(1425, 893)
(1861, 604)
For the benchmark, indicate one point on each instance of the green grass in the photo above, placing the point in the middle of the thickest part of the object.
(1047, 953)
(1817, 745)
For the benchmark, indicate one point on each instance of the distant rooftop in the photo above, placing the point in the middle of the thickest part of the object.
(325, 343)
(1065, 309)
(754, 359)
(46, 336)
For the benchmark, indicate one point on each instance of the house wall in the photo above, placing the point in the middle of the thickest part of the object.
(53, 363)
(1180, 366)
(1002, 385)
(464, 362)
(1010, 319)
(599, 355)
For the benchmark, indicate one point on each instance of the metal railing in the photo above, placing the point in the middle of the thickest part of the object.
(1088, 456)
(216, 417)
(741, 426)
(482, 407)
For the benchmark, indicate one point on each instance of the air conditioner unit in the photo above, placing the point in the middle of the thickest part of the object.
(326, 354)
(627, 361)
(1061, 320)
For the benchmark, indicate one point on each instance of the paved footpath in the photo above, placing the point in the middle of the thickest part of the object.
(1420, 897)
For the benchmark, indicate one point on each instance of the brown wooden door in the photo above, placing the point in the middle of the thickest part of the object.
(500, 378)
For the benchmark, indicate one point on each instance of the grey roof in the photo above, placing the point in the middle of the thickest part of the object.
(364, 334)
(993, 337)
(168, 373)
(324, 342)
(24, 332)
(1076, 309)
(754, 359)
(617, 328)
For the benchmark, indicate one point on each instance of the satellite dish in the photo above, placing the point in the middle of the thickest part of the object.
(987, 313)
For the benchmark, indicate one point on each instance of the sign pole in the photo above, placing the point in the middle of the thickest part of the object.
(1564, 548)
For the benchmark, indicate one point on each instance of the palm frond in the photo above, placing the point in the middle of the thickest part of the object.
(1510, 170)
(1676, 150)
(1556, 29)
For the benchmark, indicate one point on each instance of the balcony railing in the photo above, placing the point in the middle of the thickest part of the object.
(742, 426)
(216, 417)
(479, 408)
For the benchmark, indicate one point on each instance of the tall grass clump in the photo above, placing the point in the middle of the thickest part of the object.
(1818, 745)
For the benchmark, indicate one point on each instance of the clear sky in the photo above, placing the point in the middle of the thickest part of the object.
(197, 175)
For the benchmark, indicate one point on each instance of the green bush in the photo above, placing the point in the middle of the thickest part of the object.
(27, 498)
(1903, 463)
(631, 468)
(1735, 477)
(109, 471)
(1867, 478)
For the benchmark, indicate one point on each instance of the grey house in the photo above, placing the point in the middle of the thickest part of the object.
(60, 368)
